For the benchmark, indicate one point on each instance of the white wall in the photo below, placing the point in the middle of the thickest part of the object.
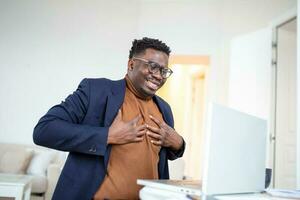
(47, 47)
(250, 73)
(298, 97)
(250, 76)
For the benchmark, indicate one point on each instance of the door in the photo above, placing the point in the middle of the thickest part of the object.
(285, 105)
(250, 76)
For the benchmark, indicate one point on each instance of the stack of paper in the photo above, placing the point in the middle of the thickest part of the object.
(284, 193)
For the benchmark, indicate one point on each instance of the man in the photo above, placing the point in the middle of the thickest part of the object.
(116, 131)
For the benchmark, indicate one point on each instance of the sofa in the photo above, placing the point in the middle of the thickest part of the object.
(43, 164)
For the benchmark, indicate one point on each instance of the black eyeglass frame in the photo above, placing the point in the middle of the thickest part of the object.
(154, 67)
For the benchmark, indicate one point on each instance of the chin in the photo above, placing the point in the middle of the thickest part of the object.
(148, 92)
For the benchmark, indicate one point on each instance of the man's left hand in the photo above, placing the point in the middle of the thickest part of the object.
(164, 135)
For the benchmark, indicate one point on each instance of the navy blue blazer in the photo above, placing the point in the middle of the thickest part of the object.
(80, 126)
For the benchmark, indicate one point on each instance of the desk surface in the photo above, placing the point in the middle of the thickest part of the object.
(262, 196)
(154, 193)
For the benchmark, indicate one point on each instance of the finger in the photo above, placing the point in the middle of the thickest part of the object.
(153, 129)
(141, 127)
(138, 139)
(156, 121)
(154, 135)
(119, 116)
(135, 120)
(141, 133)
(158, 143)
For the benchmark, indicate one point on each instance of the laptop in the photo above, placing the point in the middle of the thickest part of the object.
(234, 161)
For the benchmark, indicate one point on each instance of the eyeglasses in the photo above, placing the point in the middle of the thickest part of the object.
(153, 67)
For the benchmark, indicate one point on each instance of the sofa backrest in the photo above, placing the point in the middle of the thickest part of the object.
(26, 159)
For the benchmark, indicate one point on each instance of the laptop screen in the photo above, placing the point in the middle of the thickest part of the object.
(235, 152)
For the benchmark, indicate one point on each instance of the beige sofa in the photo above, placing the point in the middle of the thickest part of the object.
(43, 164)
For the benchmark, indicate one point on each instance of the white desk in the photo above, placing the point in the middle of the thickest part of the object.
(17, 186)
(250, 197)
(148, 193)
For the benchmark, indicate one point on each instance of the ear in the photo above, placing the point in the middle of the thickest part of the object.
(130, 65)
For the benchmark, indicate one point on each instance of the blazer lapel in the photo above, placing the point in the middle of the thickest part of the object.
(114, 102)
(160, 106)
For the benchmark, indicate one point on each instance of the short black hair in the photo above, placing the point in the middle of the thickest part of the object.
(139, 46)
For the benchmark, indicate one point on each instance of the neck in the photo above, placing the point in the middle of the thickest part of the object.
(133, 89)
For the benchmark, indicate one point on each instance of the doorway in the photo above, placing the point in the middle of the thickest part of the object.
(284, 104)
(185, 91)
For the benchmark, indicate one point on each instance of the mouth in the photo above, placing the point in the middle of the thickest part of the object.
(152, 84)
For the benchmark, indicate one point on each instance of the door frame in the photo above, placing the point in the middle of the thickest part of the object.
(275, 25)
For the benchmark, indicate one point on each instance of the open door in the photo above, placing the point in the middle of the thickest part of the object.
(262, 82)
(250, 77)
(285, 58)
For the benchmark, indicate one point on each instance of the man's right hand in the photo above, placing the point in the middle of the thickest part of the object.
(121, 132)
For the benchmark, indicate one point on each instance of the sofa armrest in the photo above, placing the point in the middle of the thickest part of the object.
(53, 173)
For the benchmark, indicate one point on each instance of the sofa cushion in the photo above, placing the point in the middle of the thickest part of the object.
(15, 161)
(39, 184)
(40, 162)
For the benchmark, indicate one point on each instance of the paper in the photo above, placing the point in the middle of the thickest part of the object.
(284, 193)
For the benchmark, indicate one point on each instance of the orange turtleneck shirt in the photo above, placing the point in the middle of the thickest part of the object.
(132, 161)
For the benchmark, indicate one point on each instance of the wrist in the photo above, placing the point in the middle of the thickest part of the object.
(178, 142)
(110, 139)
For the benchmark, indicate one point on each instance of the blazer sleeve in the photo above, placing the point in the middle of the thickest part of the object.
(172, 155)
(61, 127)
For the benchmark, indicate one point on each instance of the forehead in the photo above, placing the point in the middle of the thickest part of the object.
(156, 56)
